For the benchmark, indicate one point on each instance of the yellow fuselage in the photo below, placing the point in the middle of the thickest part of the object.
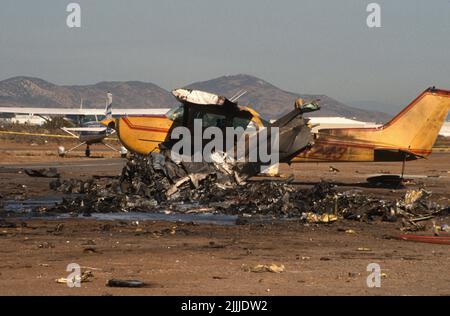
(414, 130)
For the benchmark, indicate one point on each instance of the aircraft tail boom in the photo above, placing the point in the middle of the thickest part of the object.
(415, 129)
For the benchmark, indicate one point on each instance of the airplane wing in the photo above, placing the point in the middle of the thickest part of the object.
(85, 129)
(140, 112)
(198, 97)
(77, 111)
(51, 111)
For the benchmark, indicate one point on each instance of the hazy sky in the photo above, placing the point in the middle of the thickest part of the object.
(314, 46)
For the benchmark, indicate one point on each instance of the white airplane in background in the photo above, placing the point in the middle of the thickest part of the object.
(89, 130)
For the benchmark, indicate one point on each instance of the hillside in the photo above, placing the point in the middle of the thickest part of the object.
(35, 92)
(272, 101)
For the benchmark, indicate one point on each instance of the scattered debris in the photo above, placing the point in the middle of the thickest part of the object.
(316, 218)
(43, 173)
(265, 268)
(155, 183)
(445, 228)
(86, 276)
(90, 250)
(125, 283)
(435, 229)
(412, 196)
(333, 169)
(57, 230)
(46, 245)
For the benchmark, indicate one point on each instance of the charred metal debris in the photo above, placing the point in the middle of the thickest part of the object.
(155, 183)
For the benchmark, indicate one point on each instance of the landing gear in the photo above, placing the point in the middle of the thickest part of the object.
(402, 177)
(62, 151)
(87, 152)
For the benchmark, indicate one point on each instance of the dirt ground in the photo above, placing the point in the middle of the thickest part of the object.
(200, 259)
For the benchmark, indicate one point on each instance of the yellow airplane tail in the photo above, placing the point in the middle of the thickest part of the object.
(413, 130)
(417, 127)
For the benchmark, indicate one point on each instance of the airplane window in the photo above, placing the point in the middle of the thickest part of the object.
(210, 119)
(264, 122)
(175, 113)
(88, 118)
(245, 123)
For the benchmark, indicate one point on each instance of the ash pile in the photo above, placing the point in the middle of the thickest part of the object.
(155, 183)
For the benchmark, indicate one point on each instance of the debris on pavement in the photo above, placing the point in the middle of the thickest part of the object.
(125, 283)
(445, 228)
(46, 245)
(412, 196)
(91, 250)
(435, 228)
(265, 268)
(316, 218)
(86, 276)
(333, 169)
(43, 173)
(155, 183)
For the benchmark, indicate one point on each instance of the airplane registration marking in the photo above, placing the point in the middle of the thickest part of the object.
(331, 152)
(356, 145)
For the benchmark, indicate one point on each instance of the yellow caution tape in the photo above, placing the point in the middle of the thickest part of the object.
(35, 134)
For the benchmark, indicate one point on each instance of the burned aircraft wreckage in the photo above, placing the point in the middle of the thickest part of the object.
(158, 183)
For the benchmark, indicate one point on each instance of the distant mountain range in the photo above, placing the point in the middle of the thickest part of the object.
(269, 100)
(35, 92)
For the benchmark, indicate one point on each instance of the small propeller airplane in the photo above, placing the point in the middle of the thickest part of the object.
(88, 128)
(409, 135)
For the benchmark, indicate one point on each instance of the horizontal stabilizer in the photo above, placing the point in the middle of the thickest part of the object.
(394, 154)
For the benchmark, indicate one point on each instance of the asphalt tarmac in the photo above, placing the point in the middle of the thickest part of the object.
(194, 258)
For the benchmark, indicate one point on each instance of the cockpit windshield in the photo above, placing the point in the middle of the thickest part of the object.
(175, 113)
